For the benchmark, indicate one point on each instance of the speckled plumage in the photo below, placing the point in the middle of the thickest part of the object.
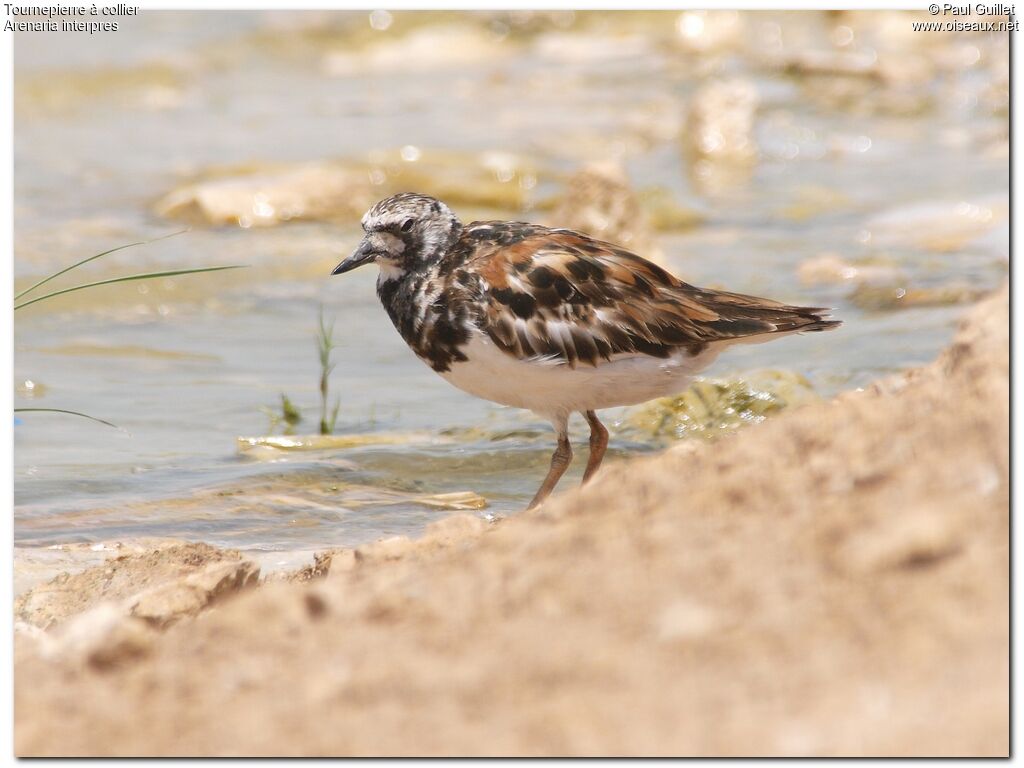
(551, 319)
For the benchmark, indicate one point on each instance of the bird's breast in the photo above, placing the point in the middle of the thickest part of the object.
(434, 318)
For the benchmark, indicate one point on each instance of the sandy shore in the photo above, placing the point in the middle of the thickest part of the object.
(833, 581)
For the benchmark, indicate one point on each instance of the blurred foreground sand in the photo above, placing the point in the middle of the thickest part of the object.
(833, 581)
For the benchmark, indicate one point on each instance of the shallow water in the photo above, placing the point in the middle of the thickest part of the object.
(187, 365)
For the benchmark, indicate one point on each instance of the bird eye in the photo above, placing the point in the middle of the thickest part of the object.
(407, 225)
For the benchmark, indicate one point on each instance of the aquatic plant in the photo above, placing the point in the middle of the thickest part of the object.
(20, 302)
(325, 345)
(288, 414)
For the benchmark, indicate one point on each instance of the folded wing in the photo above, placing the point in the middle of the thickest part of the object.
(563, 296)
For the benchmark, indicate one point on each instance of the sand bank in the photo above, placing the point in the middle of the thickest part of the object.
(832, 581)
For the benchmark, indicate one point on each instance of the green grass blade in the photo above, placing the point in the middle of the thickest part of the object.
(45, 280)
(125, 279)
(70, 413)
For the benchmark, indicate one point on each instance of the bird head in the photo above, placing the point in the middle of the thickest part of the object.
(404, 233)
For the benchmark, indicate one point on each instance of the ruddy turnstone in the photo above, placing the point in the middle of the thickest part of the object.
(551, 320)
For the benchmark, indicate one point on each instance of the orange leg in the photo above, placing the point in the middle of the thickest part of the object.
(598, 444)
(560, 461)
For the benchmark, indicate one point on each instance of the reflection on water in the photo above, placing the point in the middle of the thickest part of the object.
(762, 168)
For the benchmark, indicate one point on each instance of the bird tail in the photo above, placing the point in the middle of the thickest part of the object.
(750, 319)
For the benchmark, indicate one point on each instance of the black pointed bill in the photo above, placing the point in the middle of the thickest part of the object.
(364, 254)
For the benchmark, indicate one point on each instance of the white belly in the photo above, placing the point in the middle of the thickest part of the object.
(554, 390)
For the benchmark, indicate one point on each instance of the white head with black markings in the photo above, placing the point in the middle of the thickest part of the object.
(405, 233)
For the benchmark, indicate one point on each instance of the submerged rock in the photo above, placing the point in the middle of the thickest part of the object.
(155, 86)
(343, 189)
(311, 498)
(939, 225)
(885, 297)
(831, 268)
(490, 180)
(857, 64)
(382, 497)
(271, 446)
(814, 200)
(867, 63)
(849, 69)
(269, 198)
(712, 406)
